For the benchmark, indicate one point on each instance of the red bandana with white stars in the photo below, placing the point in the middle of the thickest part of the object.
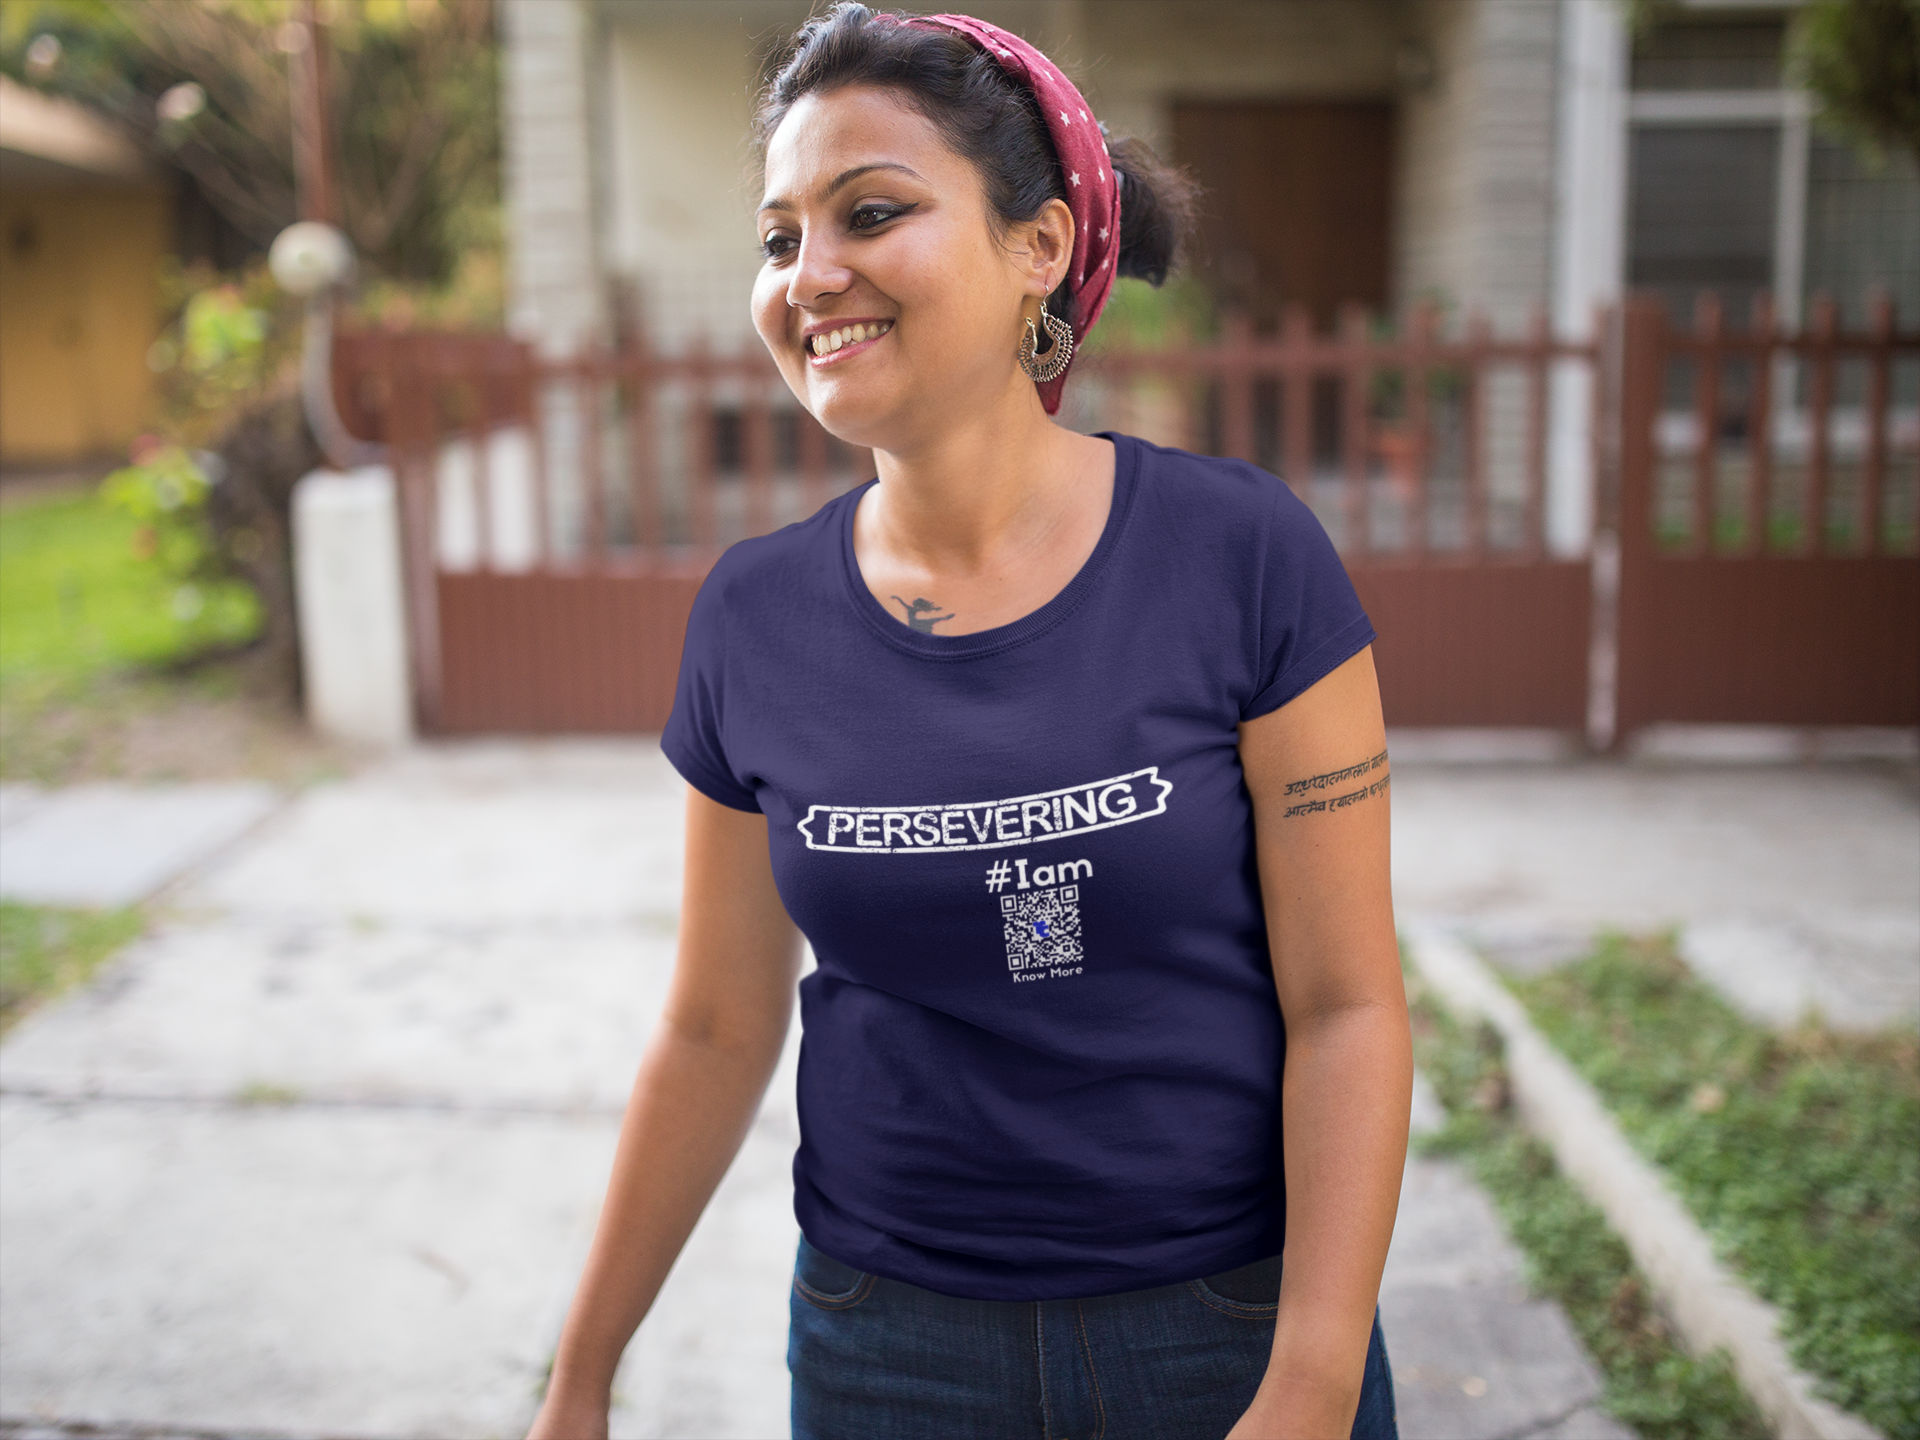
(1093, 195)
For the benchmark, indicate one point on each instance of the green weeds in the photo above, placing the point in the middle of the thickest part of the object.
(44, 951)
(1650, 1383)
(266, 1092)
(1799, 1152)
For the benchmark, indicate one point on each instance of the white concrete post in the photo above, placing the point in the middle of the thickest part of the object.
(351, 601)
(1589, 243)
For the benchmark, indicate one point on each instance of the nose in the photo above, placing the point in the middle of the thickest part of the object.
(818, 272)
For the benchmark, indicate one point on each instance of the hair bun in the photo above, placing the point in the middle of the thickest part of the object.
(1158, 202)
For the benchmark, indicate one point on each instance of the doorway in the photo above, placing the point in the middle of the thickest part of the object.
(1297, 205)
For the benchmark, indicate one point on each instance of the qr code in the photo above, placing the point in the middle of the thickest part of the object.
(1043, 927)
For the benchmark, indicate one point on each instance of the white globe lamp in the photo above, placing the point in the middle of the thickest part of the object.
(312, 259)
(309, 257)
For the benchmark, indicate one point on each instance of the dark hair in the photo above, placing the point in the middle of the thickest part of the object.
(988, 118)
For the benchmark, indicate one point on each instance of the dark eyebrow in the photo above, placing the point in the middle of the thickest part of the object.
(844, 178)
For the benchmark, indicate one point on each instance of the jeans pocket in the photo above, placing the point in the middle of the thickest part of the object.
(825, 1282)
(1250, 1291)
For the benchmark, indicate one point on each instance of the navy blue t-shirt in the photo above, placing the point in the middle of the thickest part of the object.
(1041, 1050)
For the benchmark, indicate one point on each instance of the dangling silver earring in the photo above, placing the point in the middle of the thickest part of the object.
(1058, 357)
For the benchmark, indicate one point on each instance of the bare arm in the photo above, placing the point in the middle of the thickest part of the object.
(1318, 774)
(701, 1080)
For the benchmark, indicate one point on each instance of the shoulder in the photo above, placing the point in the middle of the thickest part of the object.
(1217, 497)
(776, 568)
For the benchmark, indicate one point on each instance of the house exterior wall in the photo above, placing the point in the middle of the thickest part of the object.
(1151, 56)
(78, 313)
(85, 216)
(1477, 199)
(557, 297)
(1435, 191)
(680, 240)
(680, 79)
(668, 218)
(1511, 142)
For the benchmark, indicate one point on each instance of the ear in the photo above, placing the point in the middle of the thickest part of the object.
(1049, 248)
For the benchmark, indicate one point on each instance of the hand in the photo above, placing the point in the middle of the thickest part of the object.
(1299, 1417)
(564, 1417)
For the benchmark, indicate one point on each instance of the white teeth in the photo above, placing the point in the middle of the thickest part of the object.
(848, 335)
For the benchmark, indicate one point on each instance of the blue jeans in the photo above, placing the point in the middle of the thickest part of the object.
(880, 1358)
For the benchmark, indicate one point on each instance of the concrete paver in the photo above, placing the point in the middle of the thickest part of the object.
(1475, 1357)
(362, 1272)
(507, 1017)
(18, 800)
(1857, 971)
(454, 1072)
(448, 967)
(111, 844)
(350, 1272)
(458, 835)
(1791, 885)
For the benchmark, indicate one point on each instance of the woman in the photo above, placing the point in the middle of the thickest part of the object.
(1065, 753)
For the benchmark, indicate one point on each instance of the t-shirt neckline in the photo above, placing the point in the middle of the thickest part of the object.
(1015, 632)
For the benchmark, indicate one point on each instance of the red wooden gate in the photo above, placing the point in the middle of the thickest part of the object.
(559, 515)
(1767, 539)
(589, 497)
(1393, 440)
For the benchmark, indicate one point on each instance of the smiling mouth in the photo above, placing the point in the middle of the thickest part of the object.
(826, 343)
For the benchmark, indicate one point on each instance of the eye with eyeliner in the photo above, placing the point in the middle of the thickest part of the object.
(862, 219)
(880, 215)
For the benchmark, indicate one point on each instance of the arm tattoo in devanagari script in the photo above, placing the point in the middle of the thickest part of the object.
(1337, 777)
(1340, 802)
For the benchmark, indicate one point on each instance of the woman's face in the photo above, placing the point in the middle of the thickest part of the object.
(887, 300)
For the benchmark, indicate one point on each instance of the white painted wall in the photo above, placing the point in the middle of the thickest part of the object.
(1475, 218)
(681, 80)
(1433, 198)
(555, 292)
(349, 596)
(680, 211)
(1475, 192)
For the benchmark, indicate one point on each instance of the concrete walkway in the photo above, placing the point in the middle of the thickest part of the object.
(1791, 885)
(1473, 1353)
(113, 844)
(321, 1154)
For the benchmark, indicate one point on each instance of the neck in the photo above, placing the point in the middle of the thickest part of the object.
(958, 496)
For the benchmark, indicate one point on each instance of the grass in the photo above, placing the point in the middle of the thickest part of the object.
(44, 951)
(78, 597)
(106, 674)
(1650, 1383)
(266, 1092)
(1798, 1152)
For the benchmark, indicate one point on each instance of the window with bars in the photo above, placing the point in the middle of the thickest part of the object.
(1733, 190)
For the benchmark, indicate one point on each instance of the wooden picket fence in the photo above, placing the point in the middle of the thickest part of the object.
(1752, 556)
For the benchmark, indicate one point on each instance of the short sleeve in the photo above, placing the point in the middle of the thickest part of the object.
(694, 738)
(1310, 618)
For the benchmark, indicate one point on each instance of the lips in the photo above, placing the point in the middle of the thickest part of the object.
(829, 342)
